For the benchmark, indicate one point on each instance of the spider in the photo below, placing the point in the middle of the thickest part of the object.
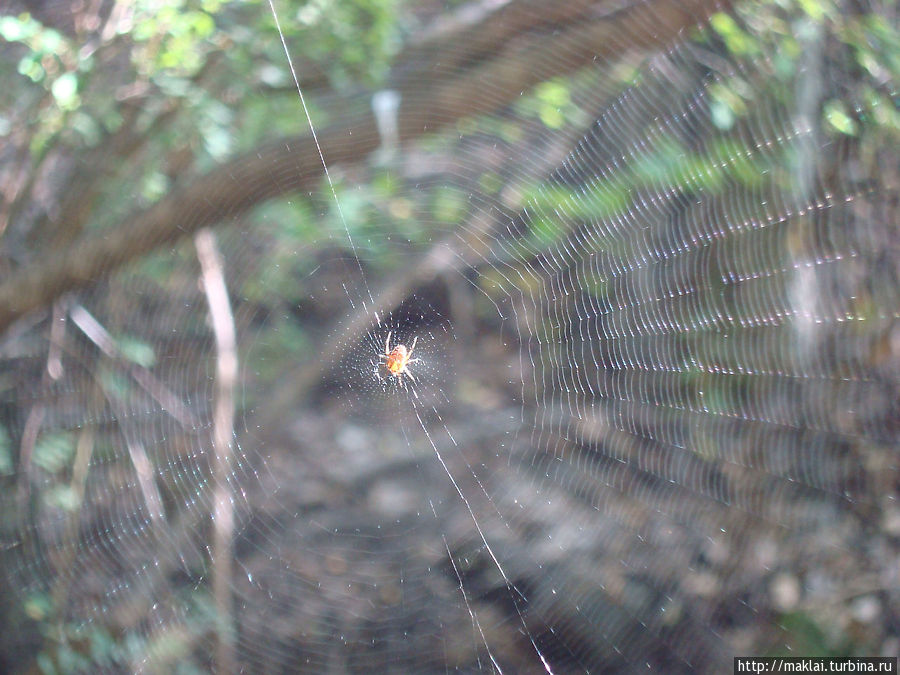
(397, 359)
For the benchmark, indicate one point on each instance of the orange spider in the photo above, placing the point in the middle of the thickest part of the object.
(398, 358)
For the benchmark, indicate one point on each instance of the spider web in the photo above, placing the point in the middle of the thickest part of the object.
(653, 424)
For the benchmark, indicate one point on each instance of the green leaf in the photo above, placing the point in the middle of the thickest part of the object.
(65, 91)
(37, 606)
(52, 452)
(17, 29)
(137, 351)
(448, 205)
(836, 115)
(62, 497)
(7, 467)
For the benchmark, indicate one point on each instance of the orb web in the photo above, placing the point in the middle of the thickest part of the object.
(654, 408)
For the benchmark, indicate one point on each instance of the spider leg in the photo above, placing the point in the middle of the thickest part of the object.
(409, 374)
(415, 339)
(387, 343)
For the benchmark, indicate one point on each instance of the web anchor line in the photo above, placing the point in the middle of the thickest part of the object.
(513, 591)
(315, 138)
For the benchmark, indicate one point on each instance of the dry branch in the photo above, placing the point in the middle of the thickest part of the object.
(213, 277)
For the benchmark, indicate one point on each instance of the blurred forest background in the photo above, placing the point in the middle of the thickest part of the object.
(648, 251)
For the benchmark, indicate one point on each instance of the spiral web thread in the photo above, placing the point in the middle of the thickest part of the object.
(698, 319)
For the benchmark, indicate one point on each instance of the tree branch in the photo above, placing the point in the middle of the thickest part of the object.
(430, 100)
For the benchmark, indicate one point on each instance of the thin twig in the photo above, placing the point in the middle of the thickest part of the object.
(167, 399)
(36, 415)
(223, 425)
(69, 547)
